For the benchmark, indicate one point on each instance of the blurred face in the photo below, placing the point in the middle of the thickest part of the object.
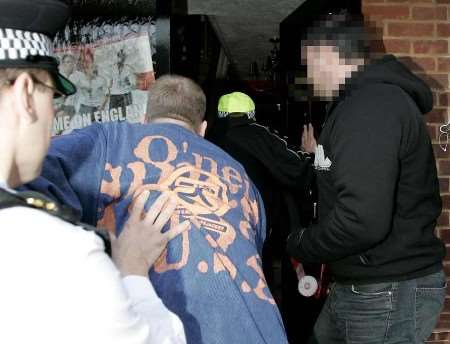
(327, 71)
(67, 65)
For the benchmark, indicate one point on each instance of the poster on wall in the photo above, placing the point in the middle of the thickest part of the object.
(112, 77)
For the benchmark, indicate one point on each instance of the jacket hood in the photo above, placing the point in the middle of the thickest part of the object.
(389, 70)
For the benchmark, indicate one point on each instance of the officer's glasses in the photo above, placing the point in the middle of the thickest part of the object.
(56, 93)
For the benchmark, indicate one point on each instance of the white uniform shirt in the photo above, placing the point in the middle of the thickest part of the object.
(90, 92)
(122, 81)
(58, 286)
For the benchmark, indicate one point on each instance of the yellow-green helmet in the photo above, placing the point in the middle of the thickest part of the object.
(236, 102)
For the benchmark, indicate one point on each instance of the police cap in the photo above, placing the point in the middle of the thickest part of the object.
(27, 30)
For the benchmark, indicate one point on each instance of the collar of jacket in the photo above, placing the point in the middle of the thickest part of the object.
(236, 121)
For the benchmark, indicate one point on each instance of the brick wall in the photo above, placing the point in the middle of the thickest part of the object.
(418, 31)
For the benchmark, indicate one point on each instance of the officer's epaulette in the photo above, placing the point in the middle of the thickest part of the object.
(36, 200)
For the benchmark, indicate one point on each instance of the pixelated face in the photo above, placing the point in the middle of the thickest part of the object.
(327, 71)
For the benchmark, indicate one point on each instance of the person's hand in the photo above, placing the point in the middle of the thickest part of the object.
(309, 142)
(141, 242)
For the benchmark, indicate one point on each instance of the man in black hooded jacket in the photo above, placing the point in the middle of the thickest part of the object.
(378, 194)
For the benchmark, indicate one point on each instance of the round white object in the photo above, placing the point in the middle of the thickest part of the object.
(307, 286)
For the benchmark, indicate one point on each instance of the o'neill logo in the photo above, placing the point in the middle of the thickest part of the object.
(321, 163)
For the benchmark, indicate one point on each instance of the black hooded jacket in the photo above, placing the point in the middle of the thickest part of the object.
(379, 199)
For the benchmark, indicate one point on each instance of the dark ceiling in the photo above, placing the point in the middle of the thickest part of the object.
(245, 26)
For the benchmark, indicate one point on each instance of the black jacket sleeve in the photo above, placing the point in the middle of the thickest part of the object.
(287, 167)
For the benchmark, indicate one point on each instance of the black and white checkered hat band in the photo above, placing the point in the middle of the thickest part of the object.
(19, 44)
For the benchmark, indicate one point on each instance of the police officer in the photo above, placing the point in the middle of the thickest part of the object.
(58, 285)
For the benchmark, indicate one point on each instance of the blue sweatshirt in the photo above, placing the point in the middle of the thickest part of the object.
(210, 276)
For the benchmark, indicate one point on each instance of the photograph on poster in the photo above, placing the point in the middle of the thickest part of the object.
(112, 78)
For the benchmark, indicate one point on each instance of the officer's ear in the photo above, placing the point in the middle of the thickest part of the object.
(22, 91)
(201, 130)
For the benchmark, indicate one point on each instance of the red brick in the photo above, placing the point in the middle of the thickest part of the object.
(444, 168)
(430, 47)
(435, 97)
(444, 99)
(445, 201)
(443, 219)
(443, 325)
(429, 13)
(411, 1)
(427, 64)
(443, 30)
(447, 268)
(432, 131)
(444, 64)
(410, 29)
(435, 81)
(439, 153)
(445, 317)
(443, 336)
(444, 184)
(444, 234)
(436, 116)
(387, 12)
(397, 46)
(447, 300)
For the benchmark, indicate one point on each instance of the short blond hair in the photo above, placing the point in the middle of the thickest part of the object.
(175, 96)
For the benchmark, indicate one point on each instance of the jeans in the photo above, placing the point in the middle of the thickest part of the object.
(404, 312)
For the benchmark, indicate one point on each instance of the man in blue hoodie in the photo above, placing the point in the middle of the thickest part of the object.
(211, 275)
(378, 194)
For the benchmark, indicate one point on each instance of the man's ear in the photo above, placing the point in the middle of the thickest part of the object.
(202, 129)
(23, 89)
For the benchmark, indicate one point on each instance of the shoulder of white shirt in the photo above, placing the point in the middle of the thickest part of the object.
(39, 223)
